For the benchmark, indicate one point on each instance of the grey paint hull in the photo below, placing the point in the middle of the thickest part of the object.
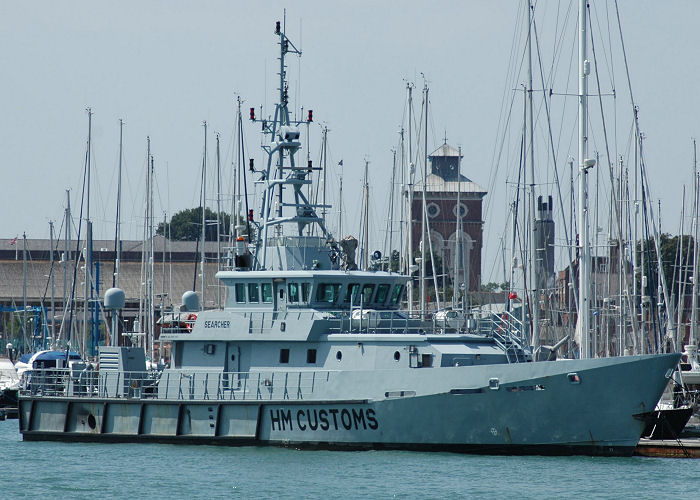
(544, 408)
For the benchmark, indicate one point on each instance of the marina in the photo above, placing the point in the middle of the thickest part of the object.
(312, 349)
(369, 342)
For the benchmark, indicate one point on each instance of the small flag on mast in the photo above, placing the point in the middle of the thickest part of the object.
(13, 240)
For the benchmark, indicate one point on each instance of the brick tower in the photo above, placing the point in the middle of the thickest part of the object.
(445, 185)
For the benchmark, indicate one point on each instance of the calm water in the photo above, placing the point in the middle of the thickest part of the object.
(96, 471)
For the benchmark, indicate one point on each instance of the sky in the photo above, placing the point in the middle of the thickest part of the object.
(165, 67)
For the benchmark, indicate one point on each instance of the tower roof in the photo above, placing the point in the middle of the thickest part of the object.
(437, 184)
(445, 150)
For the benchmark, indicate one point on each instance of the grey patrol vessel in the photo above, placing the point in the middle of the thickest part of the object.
(311, 352)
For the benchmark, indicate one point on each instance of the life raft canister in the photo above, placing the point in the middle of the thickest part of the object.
(191, 318)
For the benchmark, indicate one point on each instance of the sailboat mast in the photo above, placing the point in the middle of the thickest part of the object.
(424, 221)
(533, 267)
(204, 211)
(340, 202)
(694, 302)
(25, 337)
(325, 170)
(584, 165)
(388, 238)
(365, 235)
(66, 260)
(151, 266)
(402, 211)
(457, 260)
(117, 228)
(681, 268)
(409, 200)
(88, 239)
(53, 283)
(218, 215)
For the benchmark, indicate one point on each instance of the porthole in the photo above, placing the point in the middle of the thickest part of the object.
(91, 421)
(397, 355)
(462, 210)
(233, 357)
(338, 355)
(433, 210)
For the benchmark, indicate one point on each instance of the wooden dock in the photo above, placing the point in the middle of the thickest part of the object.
(685, 447)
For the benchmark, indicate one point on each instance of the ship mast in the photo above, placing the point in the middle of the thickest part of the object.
(283, 144)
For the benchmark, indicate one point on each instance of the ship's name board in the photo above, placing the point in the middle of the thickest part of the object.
(313, 419)
(217, 324)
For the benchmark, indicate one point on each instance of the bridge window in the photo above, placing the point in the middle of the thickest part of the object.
(396, 294)
(305, 292)
(293, 292)
(382, 292)
(367, 293)
(240, 293)
(253, 295)
(266, 293)
(351, 292)
(327, 292)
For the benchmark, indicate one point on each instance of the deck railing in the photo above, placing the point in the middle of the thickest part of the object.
(173, 384)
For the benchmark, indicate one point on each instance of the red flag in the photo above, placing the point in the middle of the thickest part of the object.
(512, 295)
(13, 240)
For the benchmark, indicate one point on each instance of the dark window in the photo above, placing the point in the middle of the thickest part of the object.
(305, 292)
(382, 292)
(311, 356)
(284, 355)
(240, 292)
(426, 360)
(397, 355)
(338, 355)
(367, 293)
(396, 294)
(351, 292)
(327, 292)
(293, 292)
(253, 295)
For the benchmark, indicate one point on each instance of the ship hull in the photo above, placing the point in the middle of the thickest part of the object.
(587, 407)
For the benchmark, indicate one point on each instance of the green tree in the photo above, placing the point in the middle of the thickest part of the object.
(187, 225)
(671, 259)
